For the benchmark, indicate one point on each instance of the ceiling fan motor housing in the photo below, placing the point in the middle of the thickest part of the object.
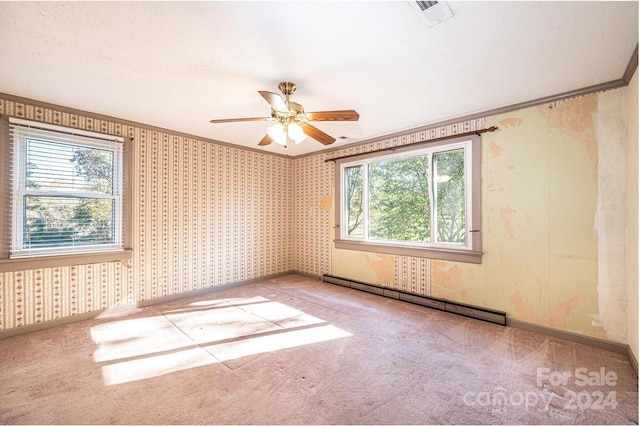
(287, 88)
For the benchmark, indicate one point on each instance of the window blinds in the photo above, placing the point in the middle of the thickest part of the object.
(66, 190)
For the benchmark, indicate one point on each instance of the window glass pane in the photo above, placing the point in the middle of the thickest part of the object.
(449, 185)
(399, 201)
(416, 201)
(63, 222)
(54, 166)
(353, 201)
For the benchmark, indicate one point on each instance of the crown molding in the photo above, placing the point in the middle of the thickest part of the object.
(632, 66)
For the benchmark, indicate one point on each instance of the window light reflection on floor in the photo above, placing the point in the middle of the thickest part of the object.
(205, 333)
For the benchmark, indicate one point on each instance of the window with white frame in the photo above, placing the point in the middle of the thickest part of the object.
(422, 201)
(67, 191)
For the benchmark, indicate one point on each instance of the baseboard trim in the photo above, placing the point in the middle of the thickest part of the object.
(16, 331)
(203, 291)
(307, 275)
(25, 329)
(596, 342)
(633, 361)
(608, 345)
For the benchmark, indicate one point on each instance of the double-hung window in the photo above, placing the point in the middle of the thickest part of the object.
(67, 191)
(421, 201)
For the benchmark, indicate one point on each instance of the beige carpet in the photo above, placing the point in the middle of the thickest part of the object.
(298, 351)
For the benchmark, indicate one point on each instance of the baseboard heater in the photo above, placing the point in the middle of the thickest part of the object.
(489, 315)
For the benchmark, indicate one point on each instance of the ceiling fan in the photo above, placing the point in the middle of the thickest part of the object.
(292, 123)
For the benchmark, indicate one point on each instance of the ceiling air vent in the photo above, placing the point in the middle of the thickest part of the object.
(435, 11)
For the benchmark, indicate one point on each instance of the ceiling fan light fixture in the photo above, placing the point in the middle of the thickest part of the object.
(277, 133)
(295, 132)
(292, 123)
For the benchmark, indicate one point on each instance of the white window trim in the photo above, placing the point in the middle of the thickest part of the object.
(471, 252)
(71, 137)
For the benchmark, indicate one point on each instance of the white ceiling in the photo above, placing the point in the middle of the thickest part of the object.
(177, 65)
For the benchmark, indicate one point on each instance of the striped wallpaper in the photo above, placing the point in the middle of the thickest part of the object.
(205, 215)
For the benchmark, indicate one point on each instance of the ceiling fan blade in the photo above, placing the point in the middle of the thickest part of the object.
(316, 134)
(266, 140)
(275, 100)
(233, 120)
(343, 115)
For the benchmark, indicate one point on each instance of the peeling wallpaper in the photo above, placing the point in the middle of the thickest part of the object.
(204, 215)
(539, 203)
(539, 196)
(611, 220)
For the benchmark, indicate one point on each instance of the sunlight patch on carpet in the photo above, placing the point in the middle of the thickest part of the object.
(204, 333)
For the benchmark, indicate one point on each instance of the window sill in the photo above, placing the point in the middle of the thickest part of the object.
(466, 256)
(39, 262)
